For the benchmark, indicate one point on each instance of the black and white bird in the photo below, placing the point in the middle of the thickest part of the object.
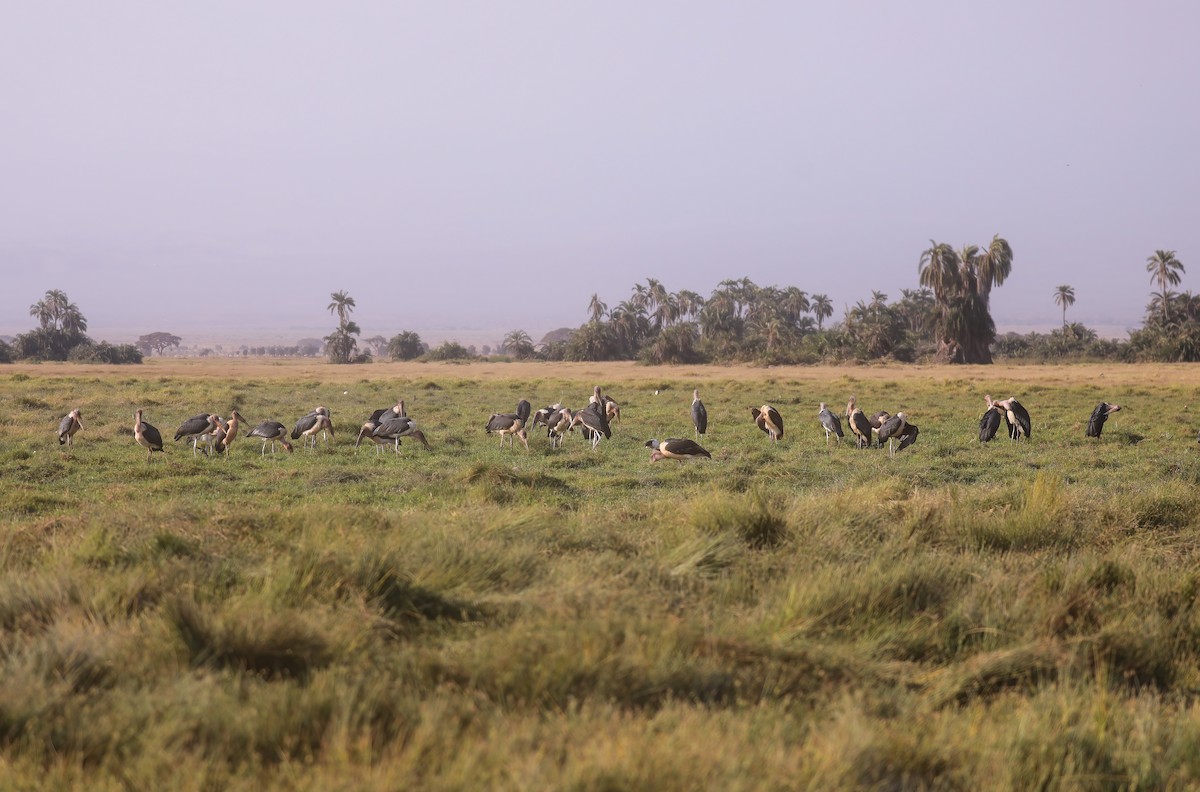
(699, 414)
(146, 435)
(989, 424)
(830, 423)
(1018, 418)
(1099, 416)
(71, 423)
(676, 448)
(897, 427)
(271, 432)
(769, 420)
(860, 425)
(195, 428)
(508, 425)
(541, 417)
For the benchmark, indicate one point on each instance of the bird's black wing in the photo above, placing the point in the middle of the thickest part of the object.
(988, 425)
(908, 437)
(1096, 422)
(303, 425)
(683, 447)
(699, 416)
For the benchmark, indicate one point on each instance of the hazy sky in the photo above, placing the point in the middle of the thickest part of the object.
(485, 167)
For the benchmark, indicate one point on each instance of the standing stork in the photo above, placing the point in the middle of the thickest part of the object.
(71, 423)
(612, 410)
(989, 424)
(228, 433)
(860, 424)
(318, 422)
(1099, 416)
(896, 426)
(1018, 418)
(676, 448)
(271, 432)
(196, 427)
(558, 424)
(146, 435)
(830, 423)
(508, 425)
(769, 420)
(594, 422)
(699, 414)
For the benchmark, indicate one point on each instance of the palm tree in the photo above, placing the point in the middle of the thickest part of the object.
(1064, 296)
(342, 305)
(518, 344)
(962, 283)
(1165, 268)
(596, 308)
(42, 311)
(822, 308)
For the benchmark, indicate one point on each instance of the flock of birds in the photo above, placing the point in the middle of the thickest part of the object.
(388, 426)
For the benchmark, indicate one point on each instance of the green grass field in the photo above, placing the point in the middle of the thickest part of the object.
(960, 616)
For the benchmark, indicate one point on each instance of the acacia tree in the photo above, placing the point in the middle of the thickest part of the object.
(1165, 268)
(962, 283)
(1064, 296)
(157, 341)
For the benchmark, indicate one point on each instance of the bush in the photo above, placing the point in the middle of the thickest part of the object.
(450, 350)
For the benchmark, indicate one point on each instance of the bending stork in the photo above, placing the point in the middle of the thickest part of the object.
(769, 420)
(1017, 417)
(896, 426)
(523, 410)
(228, 433)
(830, 423)
(1099, 416)
(394, 427)
(676, 448)
(508, 425)
(594, 422)
(146, 435)
(558, 424)
(699, 414)
(318, 421)
(71, 423)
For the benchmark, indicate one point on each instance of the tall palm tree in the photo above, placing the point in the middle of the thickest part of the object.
(596, 308)
(42, 311)
(822, 308)
(1165, 268)
(342, 305)
(1063, 296)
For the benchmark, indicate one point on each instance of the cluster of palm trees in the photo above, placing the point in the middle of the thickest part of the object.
(662, 326)
(341, 344)
(962, 283)
(61, 327)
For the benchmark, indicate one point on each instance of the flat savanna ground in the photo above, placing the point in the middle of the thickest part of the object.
(797, 616)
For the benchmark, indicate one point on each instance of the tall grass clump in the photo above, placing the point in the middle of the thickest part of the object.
(751, 518)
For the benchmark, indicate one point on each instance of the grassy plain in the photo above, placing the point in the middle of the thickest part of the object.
(958, 617)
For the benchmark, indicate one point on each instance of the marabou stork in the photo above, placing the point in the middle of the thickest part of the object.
(558, 424)
(699, 414)
(989, 424)
(543, 416)
(271, 432)
(228, 433)
(1017, 417)
(146, 435)
(897, 426)
(393, 427)
(508, 425)
(612, 410)
(315, 422)
(196, 427)
(1099, 416)
(523, 410)
(71, 423)
(769, 420)
(594, 422)
(830, 423)
(676, 448)
(860, 425)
